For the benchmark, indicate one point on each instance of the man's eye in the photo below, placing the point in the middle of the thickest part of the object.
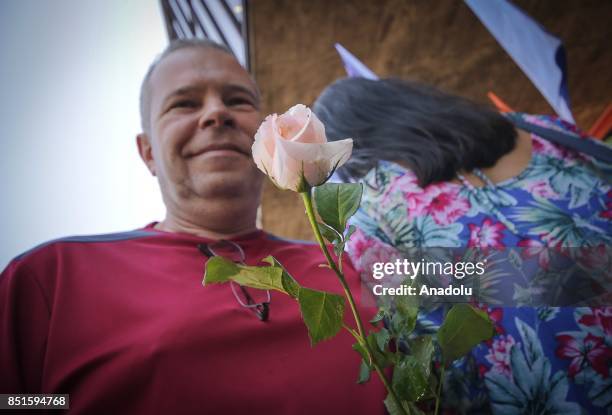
(239, 101)
(185, 103)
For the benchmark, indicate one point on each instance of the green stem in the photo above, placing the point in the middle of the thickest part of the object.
(347, 291)
(306, 196)
(439, 389)
(351, 331)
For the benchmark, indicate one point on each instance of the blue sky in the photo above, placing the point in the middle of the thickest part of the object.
(70, 73)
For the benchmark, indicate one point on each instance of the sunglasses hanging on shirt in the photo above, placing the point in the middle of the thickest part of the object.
(247, 299)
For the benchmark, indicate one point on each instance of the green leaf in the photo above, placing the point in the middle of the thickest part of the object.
(422, 348)
(415, 410)
(382, 339)
(274, 277)
(383, 358)
(359, 348)
(322, 312)
(410, 378)
(397, 324)
(329, 233)
(402, 324)
(219, 269)
(290, 285)
(364, 372)
(337, 202)
(407, 308)
(463, 328)
(380, 315)
(338, 248)
(393, 409)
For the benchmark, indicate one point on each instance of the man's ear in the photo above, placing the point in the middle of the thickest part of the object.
(146, 151)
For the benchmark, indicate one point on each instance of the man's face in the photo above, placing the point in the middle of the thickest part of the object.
(204, 112)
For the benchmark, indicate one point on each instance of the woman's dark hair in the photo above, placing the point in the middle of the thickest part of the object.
(433, 133)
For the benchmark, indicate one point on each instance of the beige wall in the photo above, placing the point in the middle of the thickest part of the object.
(440, 42)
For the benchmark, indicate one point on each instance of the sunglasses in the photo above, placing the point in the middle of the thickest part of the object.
(233, 252)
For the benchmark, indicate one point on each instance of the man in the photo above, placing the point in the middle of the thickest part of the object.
(122, 323)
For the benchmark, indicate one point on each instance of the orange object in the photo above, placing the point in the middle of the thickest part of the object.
(501, 105)
(603, 126)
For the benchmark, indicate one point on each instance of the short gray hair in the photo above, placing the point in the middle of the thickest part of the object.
(177, 44)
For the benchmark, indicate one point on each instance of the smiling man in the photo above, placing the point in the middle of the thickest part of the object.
(200, 111)
(121, 322)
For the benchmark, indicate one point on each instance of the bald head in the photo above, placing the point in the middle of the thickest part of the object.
(175, 45)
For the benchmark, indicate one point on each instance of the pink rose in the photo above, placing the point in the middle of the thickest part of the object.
(293, 151)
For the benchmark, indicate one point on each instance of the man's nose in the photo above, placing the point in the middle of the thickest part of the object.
(216, 114)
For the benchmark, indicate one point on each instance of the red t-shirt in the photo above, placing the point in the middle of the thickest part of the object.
(123, 324)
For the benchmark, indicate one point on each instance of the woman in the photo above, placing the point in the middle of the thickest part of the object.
(442, 171)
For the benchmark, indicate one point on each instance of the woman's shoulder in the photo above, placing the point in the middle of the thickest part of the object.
(552, 122)
(543, 147)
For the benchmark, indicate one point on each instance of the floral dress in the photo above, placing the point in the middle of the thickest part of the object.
(542, 360)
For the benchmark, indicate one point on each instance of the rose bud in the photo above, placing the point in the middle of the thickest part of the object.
(293, 151)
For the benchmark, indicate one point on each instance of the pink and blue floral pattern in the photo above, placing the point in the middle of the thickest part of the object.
(544, 360)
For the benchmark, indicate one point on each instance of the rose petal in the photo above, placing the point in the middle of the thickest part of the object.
(286, 170)
(266, 132)
(319, 129)
(262, 158)
(313, 132)
(299, 111)
(263, 146)
(314, 161)
(336, 150)
(292, 122)
(300, 124)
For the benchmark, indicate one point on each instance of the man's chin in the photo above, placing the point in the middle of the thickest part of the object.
(224, 182)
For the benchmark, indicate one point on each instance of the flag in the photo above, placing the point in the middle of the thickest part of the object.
(499, 104)
(540, 55)
(353, 66)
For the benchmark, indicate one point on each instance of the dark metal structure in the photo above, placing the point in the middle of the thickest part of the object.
(222, 21)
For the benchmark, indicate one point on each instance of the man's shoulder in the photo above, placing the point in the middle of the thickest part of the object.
(53, 245)
(290, 242)
(295, 246)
